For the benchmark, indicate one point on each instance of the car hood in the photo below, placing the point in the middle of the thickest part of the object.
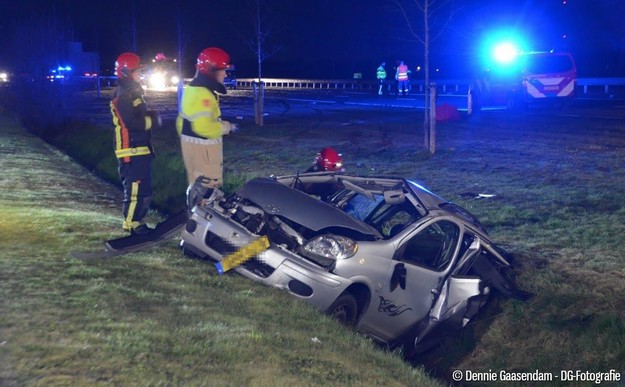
(279, 199)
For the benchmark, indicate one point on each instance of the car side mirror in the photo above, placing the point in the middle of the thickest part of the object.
(398, 277)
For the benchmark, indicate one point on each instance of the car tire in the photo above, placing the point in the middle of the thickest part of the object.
(189, 253)
(344, 309)
(515, 103)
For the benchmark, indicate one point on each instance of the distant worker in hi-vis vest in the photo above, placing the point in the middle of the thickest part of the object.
(381, 75)
(133, 124)
(199, 122)
(403, 84)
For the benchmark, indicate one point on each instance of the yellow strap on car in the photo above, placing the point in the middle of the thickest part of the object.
(129, 152)
(245, 253)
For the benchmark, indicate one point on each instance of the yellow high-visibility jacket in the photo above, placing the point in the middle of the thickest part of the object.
(200, 115)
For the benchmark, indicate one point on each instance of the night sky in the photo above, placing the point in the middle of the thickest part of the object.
(315, 38)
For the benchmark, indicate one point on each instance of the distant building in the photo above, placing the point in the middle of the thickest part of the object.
(81, 62)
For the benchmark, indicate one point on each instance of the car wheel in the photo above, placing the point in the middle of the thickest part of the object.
(344, 309)
(190, 253)
(515, 103)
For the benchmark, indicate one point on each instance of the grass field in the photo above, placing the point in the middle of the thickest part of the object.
(558, 207)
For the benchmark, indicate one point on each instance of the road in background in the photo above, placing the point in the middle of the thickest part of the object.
(282, 104)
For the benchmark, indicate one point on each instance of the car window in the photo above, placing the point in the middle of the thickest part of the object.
(360, 206)
(432, 247)
(394, 224)
(388, 219)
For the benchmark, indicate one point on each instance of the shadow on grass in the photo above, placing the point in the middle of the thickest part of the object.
(442, 356)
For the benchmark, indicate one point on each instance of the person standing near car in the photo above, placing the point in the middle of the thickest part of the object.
(133, 124)
(381, 75)
(199, 122)
(403, 84)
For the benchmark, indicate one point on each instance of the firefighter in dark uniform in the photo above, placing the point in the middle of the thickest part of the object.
(133, 124)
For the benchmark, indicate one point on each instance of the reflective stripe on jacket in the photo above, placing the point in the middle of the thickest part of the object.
(402, 73)
(129, 152)
(381, 73)
(132, 124)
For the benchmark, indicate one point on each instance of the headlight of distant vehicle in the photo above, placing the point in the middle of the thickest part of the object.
(157, 80)
(327, 249)
(4, 77)
(175, 80)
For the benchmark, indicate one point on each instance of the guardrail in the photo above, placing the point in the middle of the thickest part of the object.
(605, 83)
(605, 86)
(342, 84)
(597, 86)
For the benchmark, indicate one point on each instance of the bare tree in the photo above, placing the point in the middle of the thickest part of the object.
(133, 29)
(434, 16)
(182, 43)
(263, 51)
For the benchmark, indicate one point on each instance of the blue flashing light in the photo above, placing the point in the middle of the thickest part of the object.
(505, 52)
(501, 49)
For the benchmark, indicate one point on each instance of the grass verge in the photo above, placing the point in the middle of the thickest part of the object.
(150, 318)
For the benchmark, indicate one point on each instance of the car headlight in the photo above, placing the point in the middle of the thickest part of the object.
(175, 80)
(157, 80)
(327, 249)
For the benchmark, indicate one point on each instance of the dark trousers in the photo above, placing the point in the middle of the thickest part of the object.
(136, 177)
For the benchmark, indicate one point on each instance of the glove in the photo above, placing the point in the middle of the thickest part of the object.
(157, 123)
(228, 127)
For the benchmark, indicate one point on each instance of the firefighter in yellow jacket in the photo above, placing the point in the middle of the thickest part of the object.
(199, 122)
(133, 124)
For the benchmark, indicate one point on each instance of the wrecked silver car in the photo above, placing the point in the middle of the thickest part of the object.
(384, 255)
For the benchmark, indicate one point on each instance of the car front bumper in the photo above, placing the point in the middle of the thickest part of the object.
(210, 233)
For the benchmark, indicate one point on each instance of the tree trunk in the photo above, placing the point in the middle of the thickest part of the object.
(180, 86)
(426, 60)
(432, 135)
(259, 92)
(259, 101)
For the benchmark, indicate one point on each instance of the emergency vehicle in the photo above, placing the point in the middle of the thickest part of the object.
(161, 73)
(535, 77)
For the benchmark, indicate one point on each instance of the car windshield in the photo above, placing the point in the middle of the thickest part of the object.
(388, 219)
(360, 206)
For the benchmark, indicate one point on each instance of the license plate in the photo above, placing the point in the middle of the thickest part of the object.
(243, 254)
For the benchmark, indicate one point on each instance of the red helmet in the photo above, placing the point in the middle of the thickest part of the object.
(212, 59)
(329, 160)
(126, 63)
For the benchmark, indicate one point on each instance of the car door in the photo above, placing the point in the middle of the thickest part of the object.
(415, 277)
